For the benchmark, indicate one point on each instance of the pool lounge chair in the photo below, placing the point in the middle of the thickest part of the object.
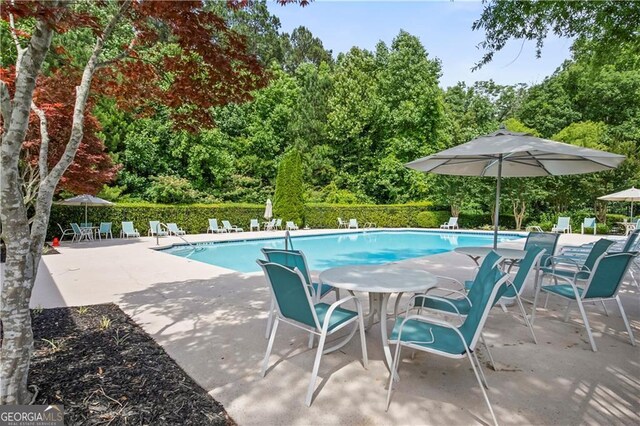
(229, 227)
(438, 337)
(603, 285)
(174, 230)
(342, 223)
(105, 228)
(156, 228)
(270, 225)
(588, 223)
(353, 224)
(296, 308)
(65, 232)
(213, 226)
(291, 226)
(254, 224)
(128, 230)
(452, 224)
(563, 225)
(278, 224)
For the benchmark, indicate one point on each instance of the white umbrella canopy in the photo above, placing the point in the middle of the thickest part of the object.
(629, 195)
(268, 210)
(511, 154)
(85, 200)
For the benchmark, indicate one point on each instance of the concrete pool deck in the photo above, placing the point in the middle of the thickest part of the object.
(212, 322)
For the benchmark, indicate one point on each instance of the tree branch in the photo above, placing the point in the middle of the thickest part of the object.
(16, 41)
(44, 141)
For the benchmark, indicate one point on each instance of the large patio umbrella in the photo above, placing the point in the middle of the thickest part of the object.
(85, 200)
(510, 154)
(268, 210)
(632, 194)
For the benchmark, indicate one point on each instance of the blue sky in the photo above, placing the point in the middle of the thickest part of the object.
(444, 28)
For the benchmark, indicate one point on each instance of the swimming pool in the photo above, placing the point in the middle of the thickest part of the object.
(331, 250)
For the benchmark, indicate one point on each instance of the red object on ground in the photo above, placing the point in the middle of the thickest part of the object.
(56, 242)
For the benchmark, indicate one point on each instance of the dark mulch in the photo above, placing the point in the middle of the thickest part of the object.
(105, 369)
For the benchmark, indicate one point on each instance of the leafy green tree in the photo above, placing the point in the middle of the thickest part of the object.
(289, 197)
(301, 47)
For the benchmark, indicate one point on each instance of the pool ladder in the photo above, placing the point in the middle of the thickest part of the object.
(287, 241)
(162, 225)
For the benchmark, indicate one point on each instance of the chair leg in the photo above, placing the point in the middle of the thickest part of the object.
(536, 294)
(626, 321)
(587, 326)
(265, 362)
(484, 392)
(316, 366)
(605, 308)
(270, 319)
(484, 379)
(566, 311)
(525, 318)
(484, 342)
(393, 373)
(363, 341)
(546, 301)
(311, 340)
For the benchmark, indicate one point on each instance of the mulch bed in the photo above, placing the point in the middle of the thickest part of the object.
(106, 370)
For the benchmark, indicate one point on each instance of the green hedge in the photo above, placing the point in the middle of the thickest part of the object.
(389, 216)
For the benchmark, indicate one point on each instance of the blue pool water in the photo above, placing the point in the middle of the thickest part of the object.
(328, 251)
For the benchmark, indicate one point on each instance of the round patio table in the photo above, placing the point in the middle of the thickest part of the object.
(380, 281)
(475, 253)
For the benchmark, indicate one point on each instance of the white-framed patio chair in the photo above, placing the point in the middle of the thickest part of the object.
(80, 233)
(254, 224)
(278, 224)
(270, 225)
(342, 223)
(563, 225)
(213, 227)
(296, 259)
(228, 227)
(173, 229)
(601, 286)
(439, 337)
(451, 224)
(353, 224)
(155, 228)
(588, 223)
(65, 232)
(296, 308)
(291, 226)
(128, 230)
(105, 229)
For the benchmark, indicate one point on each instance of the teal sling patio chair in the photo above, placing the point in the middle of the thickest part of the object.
(80, 233)
(588, 223)
(442, 338)
(603, 285)
(563, 225)
(65, 232)
(174, 230)
(105, 228)
(460, 306)
(128, 230)
(583, 250)
(296, 307)
(296, 259)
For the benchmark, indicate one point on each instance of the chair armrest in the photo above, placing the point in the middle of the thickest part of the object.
(333, 307)
(430, 320)
(460, 284)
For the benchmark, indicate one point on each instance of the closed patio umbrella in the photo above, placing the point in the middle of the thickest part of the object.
(630, 195)
(511, 154)
(268, 210)
(85, 200)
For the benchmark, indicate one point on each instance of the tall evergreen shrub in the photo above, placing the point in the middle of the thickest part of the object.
(289, 199)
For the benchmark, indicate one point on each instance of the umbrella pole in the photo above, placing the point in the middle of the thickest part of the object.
(497, 211)
(631, 210)
(85, 213)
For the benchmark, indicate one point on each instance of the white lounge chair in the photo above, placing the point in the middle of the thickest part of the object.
(278, 224)
(105, 228)
(174, 230)
(353, 224)
(452, 224)
(291, 226)
(342, 223)
(563, 225)
(254, 224)
(270, 225)
(155, 228)
(229, 227)
(213, 226)
(588, 222)
(128, 230)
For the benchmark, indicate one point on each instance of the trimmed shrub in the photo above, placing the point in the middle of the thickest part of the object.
(289, 198)
(389, 216)
(432, 219)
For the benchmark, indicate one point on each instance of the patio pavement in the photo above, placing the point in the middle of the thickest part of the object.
(212, 321)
